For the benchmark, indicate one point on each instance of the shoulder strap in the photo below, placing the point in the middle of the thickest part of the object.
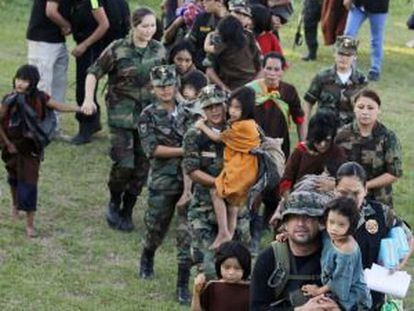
(279, 276)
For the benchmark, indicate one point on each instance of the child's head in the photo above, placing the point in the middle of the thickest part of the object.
(26, 79)
(192, 83)
(341, 217)
(241, 104)
(322, 131)
(233, 262)
(182, 55)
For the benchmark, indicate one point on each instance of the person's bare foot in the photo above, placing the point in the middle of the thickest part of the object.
(31, 233)
(184, 200)
(220, 239)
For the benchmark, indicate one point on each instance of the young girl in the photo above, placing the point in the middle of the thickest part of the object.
(240, 167)
(231, 290)
(341, 263)
(21, 151)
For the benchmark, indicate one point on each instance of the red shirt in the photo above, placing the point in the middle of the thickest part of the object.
(268, 42)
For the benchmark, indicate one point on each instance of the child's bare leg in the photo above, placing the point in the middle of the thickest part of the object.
(30, 225)
(220, 209)
(15, 211)
(232, 213)
(186, 196)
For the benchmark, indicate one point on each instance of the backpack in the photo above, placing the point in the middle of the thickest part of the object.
(271, 165)
(281, 274)
(40, 130)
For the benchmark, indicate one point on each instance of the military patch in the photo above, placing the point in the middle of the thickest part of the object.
(143, 128)
(371, 226)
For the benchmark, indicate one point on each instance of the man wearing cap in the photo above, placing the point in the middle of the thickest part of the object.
(203, 161)
(159, 127)
(282, 269)
(334, 88)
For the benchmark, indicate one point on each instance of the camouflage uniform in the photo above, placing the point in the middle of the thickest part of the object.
(128, 69)
(165, 183)
(328, 90)
(201, 153)
(378, 154)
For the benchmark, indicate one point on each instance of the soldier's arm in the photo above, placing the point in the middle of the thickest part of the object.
(310, 98)
(52, 13)
(307, 110)
(192, 160)
(392, 161)
(381, 181)
(149, 140)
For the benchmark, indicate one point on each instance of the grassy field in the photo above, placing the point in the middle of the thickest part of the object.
(78, 263)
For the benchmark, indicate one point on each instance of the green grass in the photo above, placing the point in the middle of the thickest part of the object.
(78, 263)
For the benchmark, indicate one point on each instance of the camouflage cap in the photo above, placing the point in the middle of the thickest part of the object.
(163, 75)
(346, 45)
(303, 203)
(240, 6)
(211, 95)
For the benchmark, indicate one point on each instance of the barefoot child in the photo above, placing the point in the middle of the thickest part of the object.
(240, 167)
(342, 273)
(21, 112)
(231, 290)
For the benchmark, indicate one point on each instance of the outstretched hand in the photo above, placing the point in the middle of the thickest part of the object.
(200, 123)
(88, 108)
(199, 282)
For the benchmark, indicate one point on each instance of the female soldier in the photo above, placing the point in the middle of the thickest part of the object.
(371, 144)
(128, 63)
(376, 218)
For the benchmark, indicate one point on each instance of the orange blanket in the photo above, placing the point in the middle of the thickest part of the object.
(240, 167)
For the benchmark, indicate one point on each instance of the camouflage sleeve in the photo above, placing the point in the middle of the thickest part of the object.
(147, 134)
(393, 155)
(105, 62)
(314, 91)
(191, 159)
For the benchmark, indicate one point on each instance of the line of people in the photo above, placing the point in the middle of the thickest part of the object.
(168, 121)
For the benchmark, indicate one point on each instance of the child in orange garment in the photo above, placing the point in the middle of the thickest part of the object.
(240, 167)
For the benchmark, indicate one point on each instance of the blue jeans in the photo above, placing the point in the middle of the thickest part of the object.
(377, 21)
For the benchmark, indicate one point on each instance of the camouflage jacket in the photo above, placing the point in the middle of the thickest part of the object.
(128, 69)
(157, 126)
(328, 90)
(379, 153)
(201, 153)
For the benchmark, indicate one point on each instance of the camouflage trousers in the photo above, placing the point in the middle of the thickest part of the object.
(157, 220)
(203, 225)
(130, 165)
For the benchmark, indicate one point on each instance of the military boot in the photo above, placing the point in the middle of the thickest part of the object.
(126, 223)
(86, 130)
(183, 277)
(146, 265)
(112, 212)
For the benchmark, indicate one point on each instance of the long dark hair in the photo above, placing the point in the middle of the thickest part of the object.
(262, 19)
(246, 97)
(237, 250)
(232, 32)
(182, 45)
(28, 73)
(346, 207)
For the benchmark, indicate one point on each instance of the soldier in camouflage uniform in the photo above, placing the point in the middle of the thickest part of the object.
(161, 126)
(128, 67)
(371, 144)
(334, 88)
(203, 161)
